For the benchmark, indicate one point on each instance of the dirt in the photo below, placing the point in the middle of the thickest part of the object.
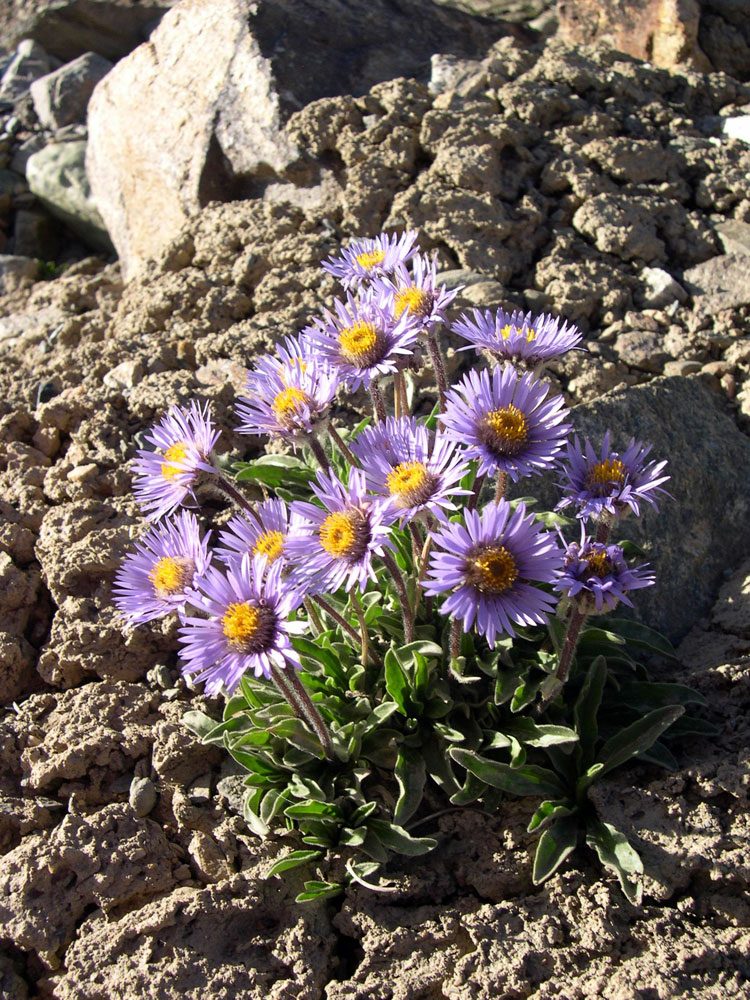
(551, 178)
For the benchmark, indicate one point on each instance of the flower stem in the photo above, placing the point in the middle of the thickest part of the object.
(357, 604)
(230, 490)
(313, 616)
(575, 624)
(436, 359)
(294, 691)
(339, 619)
(317, 449)
(456, 633)
(502, 486)
(337, 440)
(406, 612)
(474, 498)
(399, 395)
(378, 403)
(604, 526)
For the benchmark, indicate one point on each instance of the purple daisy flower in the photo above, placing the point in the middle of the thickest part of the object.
(184, 441)
(246, 627)
(363, 341)
(506, 422)
(517, 335)
(418, 293)
(335, 543)
(289, 399)
(244, 534)
(610, 482)
(371, 258)
(159, 576)
(488, 563)
(597, 577)
(404, 462)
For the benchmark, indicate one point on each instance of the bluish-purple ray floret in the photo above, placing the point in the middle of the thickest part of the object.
(509, 423)
(243, 534)
(371, 258)
(418, 293)
(597, 577)
(165, 478)
(290, 401)
(335, 544)
(246, 627)
(488, 565)
(517, 335)
(612, 481)
(159, 576)
(362, 340)
(406, 463)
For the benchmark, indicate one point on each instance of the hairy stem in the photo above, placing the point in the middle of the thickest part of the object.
(313, 616)
(340, 444)
(357, 604)
(231, 491)
(378, 403)
(436, 359)
(406, 612)
(339, 619)
(456, 633)
(474, 498)
(502, 486)
(295, 693)
(604, 526)
(317, 449)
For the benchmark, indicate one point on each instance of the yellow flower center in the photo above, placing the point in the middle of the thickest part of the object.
(288, 404)
(240, 623)
(338, 534)
(599, 564)
(411, 483)
(611, 470)
(175, 453)
(360, 344)
(492, 569)
(415, 301)
(505, 431)
(370, 258)
(507, 330)
(170, 575)
(269, 544)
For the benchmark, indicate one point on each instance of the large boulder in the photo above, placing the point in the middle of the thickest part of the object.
(198, 113)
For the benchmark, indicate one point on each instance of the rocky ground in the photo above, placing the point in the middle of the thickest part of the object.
(545, 176)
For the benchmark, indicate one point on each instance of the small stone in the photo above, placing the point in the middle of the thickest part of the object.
(729, 384)
(682, 367)
(15, 272)
(61, 97)
(738, 353)
(642, 349)
(484, 294)
(208, 857)
(80, 473)
(199, 792)
(660, 288)
(46, 392)
(461, 276)
(142, 796)
(717, 368)
(722, 282)
(738, 128)
(160, 676)
(126, 375)
(734, 236)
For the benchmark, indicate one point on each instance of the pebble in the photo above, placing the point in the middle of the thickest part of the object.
(200, 791)
(683, 367)
(660, 288)
(142, 796)
(80, 473)
(126, 375)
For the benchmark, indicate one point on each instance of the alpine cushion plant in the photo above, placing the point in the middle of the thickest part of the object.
(391, 643)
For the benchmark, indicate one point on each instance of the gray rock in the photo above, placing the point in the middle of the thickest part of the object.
(35, 234)
(734, 236)
(61, 98)
(660, 288)
(719, 283)
(642, 349)
(27, 148)
(461, 276)
(705, 530)
(738, 128)
(28, 64)
(142, 796)
(15, 272)
(11, 184)
(57, 176)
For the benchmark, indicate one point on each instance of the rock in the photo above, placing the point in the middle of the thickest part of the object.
(35, 235)
(68, 28)
(738, 128)
(162, 143)
(660, 288)
(27, 148)
(142, 796)
(620, 225)
(57, 176)
(724, 35)
(11, 185)
(663, 32)
(684, 367)
(126, 375)
(483, 294)
(720, 283)
(734, 236)
(15, 272)
(28, 64)
(694, 538)
(642, 349)
(62, 97)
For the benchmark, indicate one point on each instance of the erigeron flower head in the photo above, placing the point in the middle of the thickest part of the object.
(509, 423)
(487, 566)
(517, 335)
(290, 401)
(245, 627)
(596, 576)
(612, 482)
(335, 544)
(371, 258)
(406, 463)
(418, 294)
(166, 477)
(159, 576)
(363, 341)
(265, 536)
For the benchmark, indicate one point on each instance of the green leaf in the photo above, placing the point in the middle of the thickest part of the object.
(527, 731)
(362, 812)
(293, 860)
(274, 471)
(472, 790)
(616, 853)
(272, 804)
(637, 737)
(645, 695)
(556, 843)
(396, 681)
(506, 684)
(319, 890)
(524, 694)
(660, 755)
(396, 838)
(199, 723)
(410, 774)
(361, 872)
(526, 780)
(250, 804)
(641, 636)
(296, 732)
(548, 811)
(325, 657)
(586, 710)
(315, 809)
